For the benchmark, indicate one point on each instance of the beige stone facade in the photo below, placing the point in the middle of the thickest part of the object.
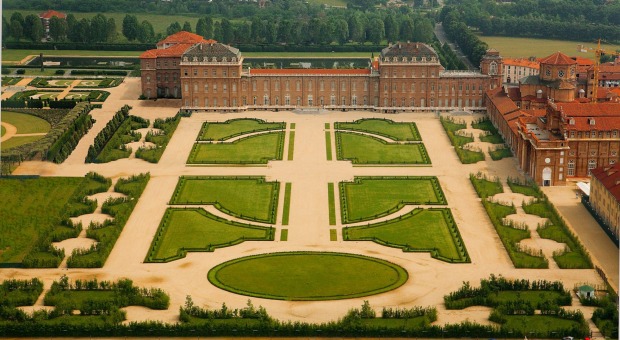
(605, 195)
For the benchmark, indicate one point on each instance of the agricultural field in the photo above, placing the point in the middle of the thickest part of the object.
(530, 47)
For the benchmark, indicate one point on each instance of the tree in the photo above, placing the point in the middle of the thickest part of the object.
(71, 27)
(201, 28)
(406, 30)
(5, 28)
(391, 29)
(17, 31)
(187, 27)
(227, 31)
(58, 28)
(17, 16)
(173, 28)
(209, 27)
(423, 31)
(341, 31)
(33, 28)
(146, 32)
(376, 31)
(82, 29)
(130, 27)
(356, 29)
(98, 28)
(111, 30)
(217, 32)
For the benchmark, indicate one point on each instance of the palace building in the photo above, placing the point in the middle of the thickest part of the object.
(208, 75)
(554, 131)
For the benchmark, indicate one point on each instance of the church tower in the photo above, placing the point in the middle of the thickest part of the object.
(492, 65)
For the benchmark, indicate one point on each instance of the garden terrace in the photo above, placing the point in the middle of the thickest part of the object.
(364, 149)
(160, 139)
(493, 135)
(421, 230)
(250, 198)
(196, 230)
(383, 127)
(20, 292)
(108, 232)
(484, 187)
(254, 149)
(325, 276)
(235, 127)
(465, 156)
(26, 237)
(368, 198)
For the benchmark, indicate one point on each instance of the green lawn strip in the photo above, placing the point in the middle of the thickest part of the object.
(196, 230)
(574, 256)
(465, 156)
(25, 123)
(421, 230)
(256, 149)
(544, 326)
(292, 126)
(372, 197)
(287, 203)
(167, 126)
(362, 149)
(19, 54)
(327, 126)
(107, 233)
(291, 145)
(383, 127)
(235, 127)
(500, 153)
(328, 144)
(331, 201)
(284, 235)
(484, 187)
(26, 237)
(493, 139)
(333, 235)
(16, 141)
(325, 276)
(250, 198)
(511, 236)
(2, 130)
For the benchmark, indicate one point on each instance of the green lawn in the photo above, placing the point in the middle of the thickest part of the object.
(250, 197)
(287, 203)
(371, 197)
(16, 141)
(500, 153)
(543, 325)
(333, 3)
(183, 230)
(328, 145)
(485, 188)
(361, 149)
(258, 149)
(77, 95)
(307, 276)
(235, 127)
(527, 47)
(528, 190)
(2, 130)
(25, 123)
(30, 208)
(284, 235)
(46, 95)
(421, 230)
(332, 203)
(383, 127)
(533, 296)
(291, 145)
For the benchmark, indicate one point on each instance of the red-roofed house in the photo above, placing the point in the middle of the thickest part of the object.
(605, 195)
(45, 20)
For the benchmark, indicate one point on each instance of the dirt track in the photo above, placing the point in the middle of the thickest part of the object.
(309, 174)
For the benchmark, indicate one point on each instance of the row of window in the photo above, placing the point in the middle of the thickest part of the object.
(593, 134)
(214, 72)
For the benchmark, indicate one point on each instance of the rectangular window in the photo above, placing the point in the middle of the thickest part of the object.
(195, 72)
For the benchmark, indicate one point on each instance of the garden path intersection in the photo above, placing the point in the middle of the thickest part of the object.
(308, 227)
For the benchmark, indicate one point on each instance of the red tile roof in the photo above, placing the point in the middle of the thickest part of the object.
(51, 13)
(609, 176)
(501, 101)
(590, 110)
(581, 61)
(313, 71)
(182, 37)
(172, 51)
(558, 58)
(521, 62)
(602, 124)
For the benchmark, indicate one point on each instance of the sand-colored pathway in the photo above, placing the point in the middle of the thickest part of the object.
(308, 229)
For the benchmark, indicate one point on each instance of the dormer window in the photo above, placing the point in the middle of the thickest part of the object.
(195, 59)
(423, 59)
(405, 59)
(205, 59)
(571, 121)
(386, 59)
(433, 59)
(234, 59)
(395, 59)
(224, 59)
(214, 59)
(591, 121)
(185, 59)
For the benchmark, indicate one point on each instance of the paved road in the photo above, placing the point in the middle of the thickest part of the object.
(441, 35)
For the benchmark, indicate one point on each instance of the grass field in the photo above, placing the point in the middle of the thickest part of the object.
(528, 47)
(544, 325)
(291, 145)
(420, 230)
(235, 127)
(186, 230)
(361, 149)
(16, 141)
(17, 55)
(284, 235)
(30, 208)
(2, 130)
(332, 203)
(287, 203)
(383, 127)
(25, 123)
(250, 198)
(328, 145)
(258, 149)
(307, 276)
(484, 187)
(332, 3)
(370, 197)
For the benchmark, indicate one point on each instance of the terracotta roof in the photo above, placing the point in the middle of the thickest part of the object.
(590, 110)
(212, 49)
(524, 62)
(615, 90)
(558, 58)
(182, 37)
(536, 112)
(581, 61)
(602, 124)
(609, 176)
(51, 13)
(172, 51)
(410, 49)
(501, 101)
(309, 71)
(610, 68)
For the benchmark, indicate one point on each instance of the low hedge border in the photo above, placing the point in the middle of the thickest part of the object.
(205, 127)
(279, 150)
(412, 125)
(339, 153)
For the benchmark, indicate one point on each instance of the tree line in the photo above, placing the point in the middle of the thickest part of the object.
(96, 29)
